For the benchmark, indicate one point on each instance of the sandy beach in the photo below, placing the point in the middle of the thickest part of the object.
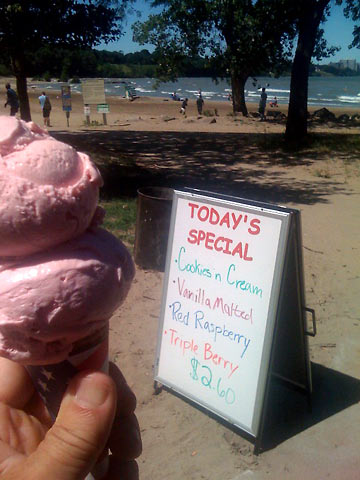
(159, 114)
(151, 143)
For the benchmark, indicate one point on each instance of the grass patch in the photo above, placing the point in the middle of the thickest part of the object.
(120, 219)
(314, 143)
(93, 123)
(337, 143)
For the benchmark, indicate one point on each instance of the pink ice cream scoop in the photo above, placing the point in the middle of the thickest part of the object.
(51, 299)
(48, 191)
(60, 280)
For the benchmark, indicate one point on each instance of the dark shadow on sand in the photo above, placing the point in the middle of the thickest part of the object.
(288, 413)
(231, 163)
(234, 164)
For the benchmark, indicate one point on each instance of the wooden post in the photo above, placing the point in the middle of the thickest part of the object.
(87, 113)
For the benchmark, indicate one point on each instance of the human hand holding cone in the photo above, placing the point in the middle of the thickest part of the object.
(57, 297)
(51, 381)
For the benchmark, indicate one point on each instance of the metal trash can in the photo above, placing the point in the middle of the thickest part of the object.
(152, 227)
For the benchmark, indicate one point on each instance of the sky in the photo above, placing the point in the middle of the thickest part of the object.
(338, 31)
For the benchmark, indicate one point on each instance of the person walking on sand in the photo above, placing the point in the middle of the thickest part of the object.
(183, 106)
(12, 100)
(46, 108)
(200, 104)
(262, 104)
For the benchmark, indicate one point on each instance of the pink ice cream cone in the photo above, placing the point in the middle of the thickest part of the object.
(61, 277)
(51, 381)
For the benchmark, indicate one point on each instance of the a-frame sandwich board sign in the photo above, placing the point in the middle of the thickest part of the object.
(233, 293)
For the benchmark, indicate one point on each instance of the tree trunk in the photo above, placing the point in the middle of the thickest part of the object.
(296, 126)
(18, 64)
(21, 86)
(238, 93)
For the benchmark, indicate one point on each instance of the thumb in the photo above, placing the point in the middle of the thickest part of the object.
(79, 434)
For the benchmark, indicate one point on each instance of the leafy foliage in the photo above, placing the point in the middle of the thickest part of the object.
(352, 10)
(81, 23)
(238, 38)
(26, 25)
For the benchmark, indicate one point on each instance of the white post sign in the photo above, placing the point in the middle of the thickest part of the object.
(222, 283)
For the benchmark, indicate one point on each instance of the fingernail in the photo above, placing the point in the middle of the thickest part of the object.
(91, 392)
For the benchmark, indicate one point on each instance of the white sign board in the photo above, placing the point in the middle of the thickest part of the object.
(93, 91)
(221, 290)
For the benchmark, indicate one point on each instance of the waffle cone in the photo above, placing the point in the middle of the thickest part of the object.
(51, 381)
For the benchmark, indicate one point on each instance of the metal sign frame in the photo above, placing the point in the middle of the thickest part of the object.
(289, 242)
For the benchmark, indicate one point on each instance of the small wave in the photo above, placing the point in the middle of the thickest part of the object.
(317, 104)
(142, 90)
(321, 100)
(348, 99)
(280, 90)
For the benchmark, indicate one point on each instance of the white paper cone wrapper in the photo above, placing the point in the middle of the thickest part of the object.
(51, 381)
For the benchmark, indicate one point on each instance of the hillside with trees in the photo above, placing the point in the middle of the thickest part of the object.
(65, 63)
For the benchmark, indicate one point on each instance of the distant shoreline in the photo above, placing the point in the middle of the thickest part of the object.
(323, 92)
(163, 115)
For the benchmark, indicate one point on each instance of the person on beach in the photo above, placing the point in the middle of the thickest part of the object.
(12, 100)
(262, 104)
(46, 108)
(274, 103)
(183, 106)
(200, 104)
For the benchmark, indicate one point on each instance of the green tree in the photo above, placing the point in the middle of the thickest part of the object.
(309, 17)
(239, 37)
(143, 57)
(26, 25)
(311, 13)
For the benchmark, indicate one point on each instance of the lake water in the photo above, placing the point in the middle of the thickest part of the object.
(323, 92)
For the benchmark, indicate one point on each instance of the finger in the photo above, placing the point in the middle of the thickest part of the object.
(17, 391)
(125, 439)
(72, 446)
(16, 385)
(20, 435)
(38, 409)
(124, 470)
(126, 397)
